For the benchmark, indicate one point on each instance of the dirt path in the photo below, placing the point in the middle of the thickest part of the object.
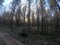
(8, 39)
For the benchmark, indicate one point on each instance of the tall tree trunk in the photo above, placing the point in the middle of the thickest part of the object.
(38, 19)
(24, 19)
(41, 2)
(11, 19)
(29, 17)
(33, 19)
(57, 20)
(18, 17)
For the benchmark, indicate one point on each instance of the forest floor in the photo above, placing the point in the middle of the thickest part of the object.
(31, 39)
(6, 39)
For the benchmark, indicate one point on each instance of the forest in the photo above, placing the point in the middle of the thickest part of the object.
(29, 20)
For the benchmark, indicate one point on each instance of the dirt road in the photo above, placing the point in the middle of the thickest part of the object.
(9, 40)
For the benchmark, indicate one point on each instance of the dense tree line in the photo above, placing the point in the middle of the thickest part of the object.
(47, 16)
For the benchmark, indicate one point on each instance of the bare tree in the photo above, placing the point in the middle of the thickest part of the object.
(33, 19)
(29, 16)
(41, 2)
(24, 10)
